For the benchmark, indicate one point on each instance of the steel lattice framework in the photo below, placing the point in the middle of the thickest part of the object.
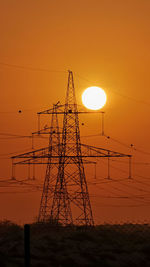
(71, 187)
(65, 198)
(51, 170)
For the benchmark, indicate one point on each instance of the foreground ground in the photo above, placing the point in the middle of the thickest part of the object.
(105, 246)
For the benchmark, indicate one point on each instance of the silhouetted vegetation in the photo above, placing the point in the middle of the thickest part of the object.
(104, 245)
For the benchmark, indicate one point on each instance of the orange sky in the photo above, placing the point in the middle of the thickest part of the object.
(105, 43)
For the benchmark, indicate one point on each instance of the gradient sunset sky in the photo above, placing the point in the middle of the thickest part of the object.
(105, 43)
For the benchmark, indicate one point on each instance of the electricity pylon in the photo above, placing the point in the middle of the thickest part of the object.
(52, 167)
(71, 186)
(65, 198)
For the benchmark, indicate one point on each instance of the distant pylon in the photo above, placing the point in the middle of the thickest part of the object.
(71, 191)
(51, 170)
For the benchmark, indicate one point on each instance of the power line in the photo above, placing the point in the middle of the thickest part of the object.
(131, 195)
(29, 68)
(135, 187)
(122, 206)
(118, 93)
(131, 146)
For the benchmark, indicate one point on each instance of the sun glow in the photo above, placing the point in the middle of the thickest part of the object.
(94, 98)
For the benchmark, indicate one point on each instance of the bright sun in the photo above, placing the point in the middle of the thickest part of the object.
(94, 98)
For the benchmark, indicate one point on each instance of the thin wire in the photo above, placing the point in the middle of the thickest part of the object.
(131, 145)
(29, 68)
(124, 191)
(122, 206)
(119, 142)
(18, 192)
(118, 93)
(133, 162)
(127, 172)
(11, 153)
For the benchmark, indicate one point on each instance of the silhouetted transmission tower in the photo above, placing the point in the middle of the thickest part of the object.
(71, 187)
(52, 168)
(65, 198)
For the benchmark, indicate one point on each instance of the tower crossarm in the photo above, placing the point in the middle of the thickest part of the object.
(92, 151)
(45, 130)
(39, 160)
(36, 154)
(33, 154)
(87, 152)
(60, 110)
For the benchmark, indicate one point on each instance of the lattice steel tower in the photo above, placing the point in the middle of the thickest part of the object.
(71, 190)
(52, 168)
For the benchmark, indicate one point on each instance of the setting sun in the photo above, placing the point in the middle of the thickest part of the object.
(94, 98)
